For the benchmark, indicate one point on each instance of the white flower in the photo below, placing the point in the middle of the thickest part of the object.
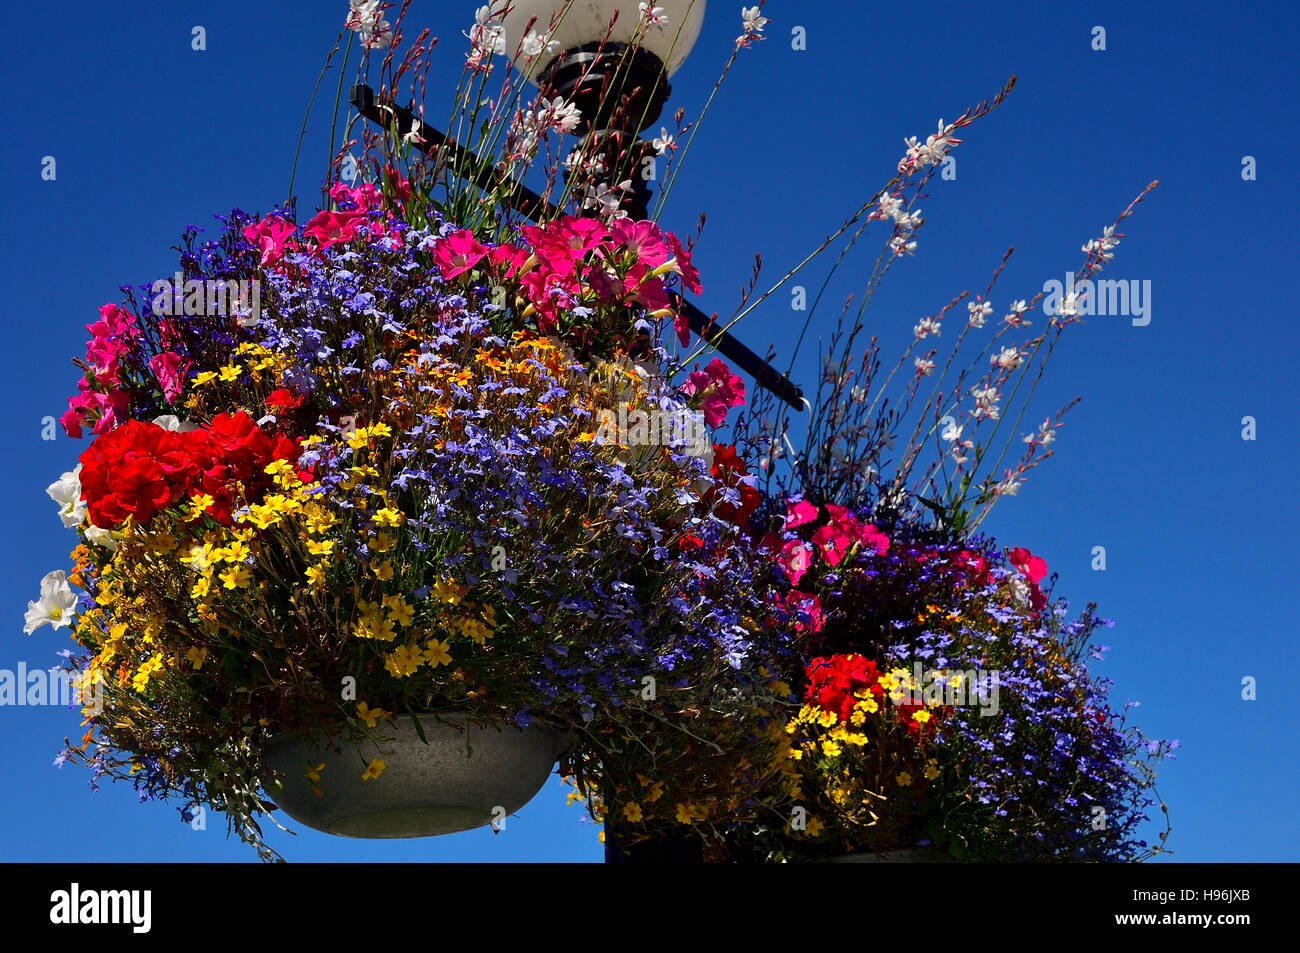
(986, 405)
(54, 606)
(951, 433)
(174, 423)
(663, 142)
(751, 20)
(534, 45)
(924, 367)
(1008, 358)
(606, 200)
(927, 326)
(1017, 309)
(67, 493)
(920, 156)
(366, 17)
(652, 15)
(979, 310)
(413, 137)
(1019, 587)
(1103, 248)
(1008, 487)
(900, 245)
(1070, 306)
(101, 537)
(1044, 436)
(890, 205)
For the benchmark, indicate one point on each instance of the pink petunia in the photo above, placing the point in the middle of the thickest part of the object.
(642, 239)
(458, 253)
(1032, 567)
(690, 275)
(169, 369)
(797, 514)
(330, 228)
(796, 559)
(269, 235)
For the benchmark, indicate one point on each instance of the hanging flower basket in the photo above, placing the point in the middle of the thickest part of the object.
(465, 776)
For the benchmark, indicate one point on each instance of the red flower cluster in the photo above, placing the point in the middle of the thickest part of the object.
(835, 680)
(729, 471)
(140, 468)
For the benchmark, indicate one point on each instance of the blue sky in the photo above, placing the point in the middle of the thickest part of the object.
(1198, 524)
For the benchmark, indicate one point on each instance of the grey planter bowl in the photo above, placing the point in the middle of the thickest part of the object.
(463, 778)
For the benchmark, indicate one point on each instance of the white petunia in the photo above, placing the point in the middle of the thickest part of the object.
(174, 423)
(67, 493)
(54, 606)
(101, 537)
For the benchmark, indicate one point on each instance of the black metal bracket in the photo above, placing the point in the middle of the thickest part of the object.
(468, 164)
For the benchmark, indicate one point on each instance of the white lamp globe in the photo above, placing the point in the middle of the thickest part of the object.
(588, 21)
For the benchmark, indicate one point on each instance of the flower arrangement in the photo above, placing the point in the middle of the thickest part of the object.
(418, 455)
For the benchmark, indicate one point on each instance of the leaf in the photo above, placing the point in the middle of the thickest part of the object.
(419, 728)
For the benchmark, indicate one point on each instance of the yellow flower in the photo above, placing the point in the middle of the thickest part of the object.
(830, 748)
(316, 575)
(203, 377)
(931, 771)
(277, 467)
(196, 656)
(437, 653)
(313, 774)
(384, 570)
(404, 660)
(632, 812)
(904, 779)
(399, 610)
(921, 717)
(685, 813)
(321, 547)
(381, 543)
(814, 827)
(388, 517)
(374, 769)
(236, 577)
(381, 430)
(370, 715)
(445, 590)
(230, 373)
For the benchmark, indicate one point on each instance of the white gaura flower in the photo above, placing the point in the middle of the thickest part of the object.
(174, 423)
(652, 15)
(1044, 436)
(366, 17)
(924, 367)
(1008, 487)
(101, 537)
(979, 310)
(1008, 358)
(662, 142)
(927, 326)
(751, 19)
(67, 493)
(1014, 318)
(986, 405)
(54, 606)
(1070, 306)
(951, 433)
(534, 44)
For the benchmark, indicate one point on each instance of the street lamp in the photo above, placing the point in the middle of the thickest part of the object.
(611, 60)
